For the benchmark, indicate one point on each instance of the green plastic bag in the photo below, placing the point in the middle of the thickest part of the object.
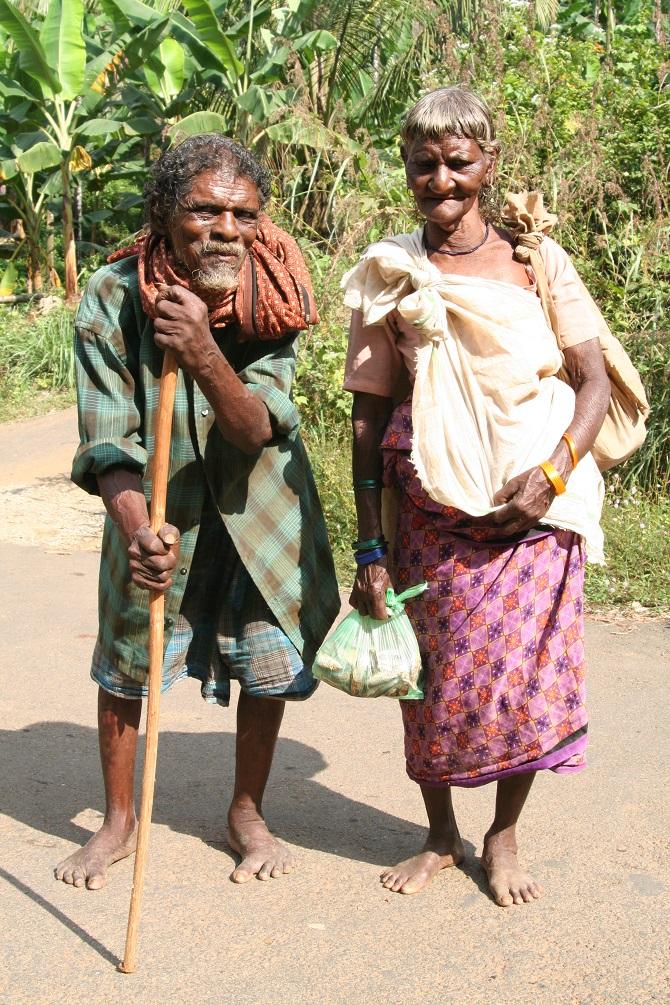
(369, 658)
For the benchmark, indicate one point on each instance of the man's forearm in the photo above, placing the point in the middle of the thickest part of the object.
(182, 327)
(151, 557)
(124, 500)
(242, 417)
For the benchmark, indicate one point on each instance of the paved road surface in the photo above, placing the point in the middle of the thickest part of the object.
(328, 935)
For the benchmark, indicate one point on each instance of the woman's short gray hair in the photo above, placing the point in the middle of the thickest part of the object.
(451, 111)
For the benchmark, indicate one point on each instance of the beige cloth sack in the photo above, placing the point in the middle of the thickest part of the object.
(487, 402)
(623, 429)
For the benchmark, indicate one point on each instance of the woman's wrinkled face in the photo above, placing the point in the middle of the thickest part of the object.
(445, 177)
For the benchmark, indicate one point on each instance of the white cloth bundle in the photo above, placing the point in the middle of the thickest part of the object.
(487, 404)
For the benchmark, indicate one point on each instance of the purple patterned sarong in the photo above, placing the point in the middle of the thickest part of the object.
(501, 634)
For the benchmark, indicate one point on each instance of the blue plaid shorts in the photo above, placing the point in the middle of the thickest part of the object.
(224, 630)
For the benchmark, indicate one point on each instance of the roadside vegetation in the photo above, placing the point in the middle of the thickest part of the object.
(581, 94)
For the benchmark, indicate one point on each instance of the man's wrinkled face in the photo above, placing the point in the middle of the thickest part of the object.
(214, 227)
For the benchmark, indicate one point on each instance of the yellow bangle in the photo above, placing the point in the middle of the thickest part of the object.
(572, 448)
(553, 477)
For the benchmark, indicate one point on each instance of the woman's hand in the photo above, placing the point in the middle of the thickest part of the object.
(524, 499)
(368, 595)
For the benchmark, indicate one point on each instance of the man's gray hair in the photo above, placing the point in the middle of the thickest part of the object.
(451, 111)
(173, 174)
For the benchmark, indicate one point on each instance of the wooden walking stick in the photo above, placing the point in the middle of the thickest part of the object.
(161, 464)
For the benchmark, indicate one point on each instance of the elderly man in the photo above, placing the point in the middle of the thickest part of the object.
(244, 558)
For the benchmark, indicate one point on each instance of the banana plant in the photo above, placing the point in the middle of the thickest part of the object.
(28, 202)
(58, 82)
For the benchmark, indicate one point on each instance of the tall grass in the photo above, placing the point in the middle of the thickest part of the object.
(649, 468)
(36, 350)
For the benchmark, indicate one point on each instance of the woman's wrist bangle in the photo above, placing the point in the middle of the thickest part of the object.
(374, 542)
(371, 555)
(553, 477)
(572, 448)
(368, 483)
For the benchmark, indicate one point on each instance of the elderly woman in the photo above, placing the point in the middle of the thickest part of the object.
(498, 495)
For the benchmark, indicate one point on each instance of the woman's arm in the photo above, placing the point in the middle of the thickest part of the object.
(529, 495)
(588, 378)
(370, 414)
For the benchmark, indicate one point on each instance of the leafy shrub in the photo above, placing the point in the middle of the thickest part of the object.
(318, 390)
(330, 455)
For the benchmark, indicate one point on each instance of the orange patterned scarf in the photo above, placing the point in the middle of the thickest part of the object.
(274, 295)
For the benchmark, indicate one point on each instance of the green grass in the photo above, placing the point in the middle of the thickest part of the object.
(36, 362)
(637, 553)
(21, 402)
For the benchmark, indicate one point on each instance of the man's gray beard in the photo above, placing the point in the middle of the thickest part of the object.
(217, 275)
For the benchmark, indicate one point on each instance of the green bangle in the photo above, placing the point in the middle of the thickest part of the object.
(368, 483)
(374, 542)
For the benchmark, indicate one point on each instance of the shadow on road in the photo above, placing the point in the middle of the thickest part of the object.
(56, 913)
(51, 773)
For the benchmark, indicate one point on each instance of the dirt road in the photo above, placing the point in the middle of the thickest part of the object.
(328, 934)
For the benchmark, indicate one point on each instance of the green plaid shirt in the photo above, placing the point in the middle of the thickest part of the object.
(268, 502)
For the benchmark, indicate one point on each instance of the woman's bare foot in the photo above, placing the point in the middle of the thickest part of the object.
(262, 855)
(88, 866)
(508, 882)
(415, 873)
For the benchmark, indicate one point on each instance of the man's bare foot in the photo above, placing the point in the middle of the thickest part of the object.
(262, 855)
(508, 882)
(415, 873)
(88, 866)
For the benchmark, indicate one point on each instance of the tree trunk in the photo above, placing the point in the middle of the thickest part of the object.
(35, 283)
(21, 298)
(22, 231)
(69, 249)
(659, 27)
(35, 259)
(609, 26)
(78, 211)
(54, 278)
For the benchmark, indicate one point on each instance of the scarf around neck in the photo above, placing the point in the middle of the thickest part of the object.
(273, 297)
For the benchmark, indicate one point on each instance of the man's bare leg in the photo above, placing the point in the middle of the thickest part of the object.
(509, 883)
(118, 723)
(443, 847)
(258, 722)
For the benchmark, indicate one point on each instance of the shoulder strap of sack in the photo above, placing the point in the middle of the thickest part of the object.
(529, 222)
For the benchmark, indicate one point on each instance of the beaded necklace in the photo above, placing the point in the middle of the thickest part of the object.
(468, 251)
